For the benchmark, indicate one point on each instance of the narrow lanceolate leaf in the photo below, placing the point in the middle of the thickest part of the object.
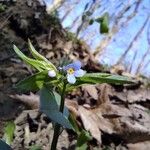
(49, 106)
(38, 56)
(9, 132)
(38, 64)
(36, 81)
(95, 78)
(4, 146)
(104, 78)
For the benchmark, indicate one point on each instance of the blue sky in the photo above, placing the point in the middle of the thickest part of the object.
(121, 40)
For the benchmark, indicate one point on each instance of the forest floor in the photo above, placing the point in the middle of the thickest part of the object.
(118, 117)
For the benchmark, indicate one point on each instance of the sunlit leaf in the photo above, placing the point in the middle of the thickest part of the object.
(94, 78)
(4, 146)
(9, 132)
(104, 27)
(38, 64)
(38, 56)
(36, 81)
(104, 78)
(104, 23)
(49, 106)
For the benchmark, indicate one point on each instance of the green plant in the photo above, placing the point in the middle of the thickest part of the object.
(9, 132)
(54, 83)
(2, 8)
(103, 21)
(4, 146)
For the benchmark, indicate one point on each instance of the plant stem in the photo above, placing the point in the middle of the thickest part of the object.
(61, 109)
(58, 126)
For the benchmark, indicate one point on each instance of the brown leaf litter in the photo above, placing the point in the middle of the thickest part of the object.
(109, 114)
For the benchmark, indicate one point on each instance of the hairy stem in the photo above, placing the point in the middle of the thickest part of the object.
(58, 126)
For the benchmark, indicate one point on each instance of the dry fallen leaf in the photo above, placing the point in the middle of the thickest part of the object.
(129, 121)
(31, 100)
(139, 146)
(90, 122)
(91, 89)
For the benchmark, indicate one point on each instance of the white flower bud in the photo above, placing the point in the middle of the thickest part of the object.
(51, 73)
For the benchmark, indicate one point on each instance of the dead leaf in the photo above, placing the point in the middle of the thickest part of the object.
(139, 146)
(72, 106)
(90, 123)
(91, 89)
(68, 46)
(116, 119)
(31, 100)
(105, 92)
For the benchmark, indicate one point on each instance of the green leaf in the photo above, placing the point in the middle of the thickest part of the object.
(4, 146)
(9, 132)
(38, 56)
(36, 81)
(35, 147)
(104, 27)
(38, 64)
(58, 100)
(74, 124)
(82, 140)
(49, 106)
(104, 78)
(82, 147)
(91, 21)
(2, 8)
(94, 78)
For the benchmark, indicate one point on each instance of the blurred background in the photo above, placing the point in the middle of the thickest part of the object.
(128, 39)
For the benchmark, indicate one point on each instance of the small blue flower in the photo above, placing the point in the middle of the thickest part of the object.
(73, 70)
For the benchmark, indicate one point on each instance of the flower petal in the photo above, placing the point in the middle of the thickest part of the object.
(79, 73)
(65, 68)
(71, 78)
(75, 65)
